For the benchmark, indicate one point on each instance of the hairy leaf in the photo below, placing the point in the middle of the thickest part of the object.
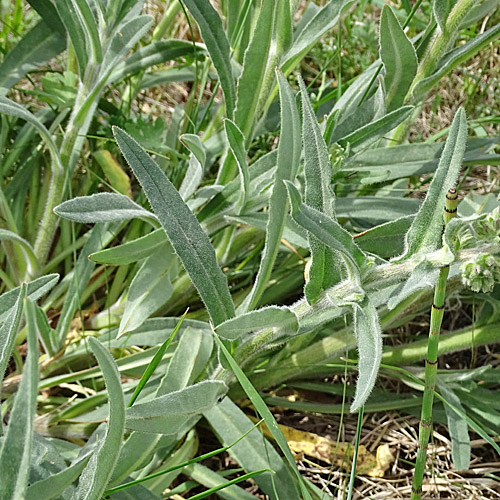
(183, 230)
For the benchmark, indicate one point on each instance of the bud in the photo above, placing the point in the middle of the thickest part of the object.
(481, 273)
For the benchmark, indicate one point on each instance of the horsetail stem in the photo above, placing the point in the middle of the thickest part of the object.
(425, 427)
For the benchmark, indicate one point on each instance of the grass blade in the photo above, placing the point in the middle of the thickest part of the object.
(183, 230)
(15, 452)
(155, 361)
(98, 471)
(266, 414)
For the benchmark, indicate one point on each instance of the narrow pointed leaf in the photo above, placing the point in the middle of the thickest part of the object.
(289, 150)
(166, 414)
(183, 230)
(101, 207)
(325, 229)
(266, 414)
(34, 290)
(217, 44)
(399, 58)
(425, 231)
(15, 452)
(194, 173)
(324, 269)
(8, 330)
(132, 251)
(277, 318)
(369, 340)
(97, 472)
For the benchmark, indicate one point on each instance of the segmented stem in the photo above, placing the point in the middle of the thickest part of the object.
(425, 427)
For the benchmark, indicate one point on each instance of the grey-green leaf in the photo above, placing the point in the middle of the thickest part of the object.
(132, 251)
(194, 173)
(97, 472)
(8, 330)
(277, 318)
(101, 207)
(457, 427)
(34, 290)
(369, 339)
(425, 231)
(399, 58)
(217, 44)
(15, 452)
(150, 289)
(183, 230)
(289, 150)
(166, 414)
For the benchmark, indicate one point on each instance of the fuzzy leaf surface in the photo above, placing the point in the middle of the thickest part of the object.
(183, 230)
(101, 207)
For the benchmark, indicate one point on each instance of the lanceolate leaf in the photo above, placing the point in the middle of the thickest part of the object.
(441, 9)
(454, 58)
(324, 269)
(399, 58)
(274, 317)
(325, 229)
(34, 290)
(324, 19)
(15, 452)
(457, 427)
(98, 471)
(254, 68)
(369, 340)
(217, 44)
(289, 150)
(166, 414)
(8, 330)
(36, 48)
(236, 142)
(425, 231)
(183, 230)
(101, 207)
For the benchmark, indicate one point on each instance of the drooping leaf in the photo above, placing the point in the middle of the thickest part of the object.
(457, 427)
(369, 340)
(183, 230)
(425, 231)
(118, 179)
(214, 35)
(15, 451)
(399, 58)
(166, 414)
(97, 472)
(36, 48)
(289, 150)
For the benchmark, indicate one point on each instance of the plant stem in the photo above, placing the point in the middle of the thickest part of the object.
(425, 427)
(440, 45)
